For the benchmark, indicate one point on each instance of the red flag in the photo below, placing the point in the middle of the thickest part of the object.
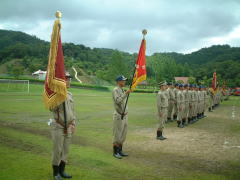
(55, 90)
(140, 72)
(214, 81)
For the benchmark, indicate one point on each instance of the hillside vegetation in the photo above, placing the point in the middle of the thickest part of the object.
(21, 53)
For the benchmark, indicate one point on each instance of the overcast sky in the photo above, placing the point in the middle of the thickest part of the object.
(173, 25)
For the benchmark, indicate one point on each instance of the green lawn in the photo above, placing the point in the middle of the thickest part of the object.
(206, 150)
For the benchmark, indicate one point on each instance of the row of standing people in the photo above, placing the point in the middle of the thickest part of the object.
(185, 104)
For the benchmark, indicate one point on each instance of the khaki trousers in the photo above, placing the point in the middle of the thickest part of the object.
(186, 110)
(61, 144)
(162, 119)
(170, 109)
(119, 128)
(180, 112)
(195, 104)
(175, 109)
(191, 110)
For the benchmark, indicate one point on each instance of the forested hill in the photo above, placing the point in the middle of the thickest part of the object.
(206, 55)
(30, 53)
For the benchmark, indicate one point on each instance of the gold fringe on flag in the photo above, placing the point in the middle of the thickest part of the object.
(55, 84)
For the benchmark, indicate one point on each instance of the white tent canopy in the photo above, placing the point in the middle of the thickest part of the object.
(40, 74)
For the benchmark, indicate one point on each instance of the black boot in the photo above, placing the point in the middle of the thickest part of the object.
(121, 152)
(160, 136)
(56, 174)
(198, 116)
(184, 122)
(180, 124)
(174, 117)
(61, 171)
(116, 152)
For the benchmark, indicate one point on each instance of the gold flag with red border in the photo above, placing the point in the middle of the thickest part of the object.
(55, 90)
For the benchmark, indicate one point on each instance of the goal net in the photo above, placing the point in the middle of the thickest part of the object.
(11, 85)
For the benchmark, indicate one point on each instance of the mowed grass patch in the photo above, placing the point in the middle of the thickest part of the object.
(195, 152)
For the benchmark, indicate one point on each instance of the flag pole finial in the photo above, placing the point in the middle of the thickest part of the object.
(144, 32)
(58, 14)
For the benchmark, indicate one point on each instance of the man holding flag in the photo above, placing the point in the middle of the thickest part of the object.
(58, 100)
(120, 100)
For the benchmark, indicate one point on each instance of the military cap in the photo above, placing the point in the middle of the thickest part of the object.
(121, 78)
(185, 85)
(180, 85)
(176, 85)
(163, 83)
(190, 85)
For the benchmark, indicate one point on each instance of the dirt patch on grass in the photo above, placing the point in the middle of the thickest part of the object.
(201, 147)
(18, 144)
(77, 140)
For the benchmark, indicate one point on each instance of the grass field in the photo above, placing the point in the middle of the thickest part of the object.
(206, 150)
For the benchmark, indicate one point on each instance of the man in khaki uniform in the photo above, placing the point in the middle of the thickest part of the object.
(196, 102)
(162, 106)
(180, 106)
(211, 99)
(201, 102)
(61, 139)
(186, 106)
(206, 99)
(171, 101)
(191, 103)
(120, 118)
(175, 109)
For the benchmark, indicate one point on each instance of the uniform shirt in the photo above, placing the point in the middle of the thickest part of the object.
(58, 112)
(119, 99)
(198, 96)
(202, 95)
(186, 96)
(175, 92)
(180, 98)
(206, 95)
(162, 99)
(191, 96)
(171, 94)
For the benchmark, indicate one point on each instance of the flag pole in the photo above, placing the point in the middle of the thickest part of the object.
(58, 15)
(144, 32)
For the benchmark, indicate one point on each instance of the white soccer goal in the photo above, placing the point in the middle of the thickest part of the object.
(12, 85)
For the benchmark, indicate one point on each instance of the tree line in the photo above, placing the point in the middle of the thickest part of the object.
(21, 53)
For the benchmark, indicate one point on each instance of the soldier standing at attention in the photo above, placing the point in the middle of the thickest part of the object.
(162, 106)
(120, 120)
(195, 90)
(61, 139)
(180, 106)
(206, 99)
(199, 102)
(211, 99)
(191, 103)
(175, 109)
(186, 105)
(201, 95)
(171, 101)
